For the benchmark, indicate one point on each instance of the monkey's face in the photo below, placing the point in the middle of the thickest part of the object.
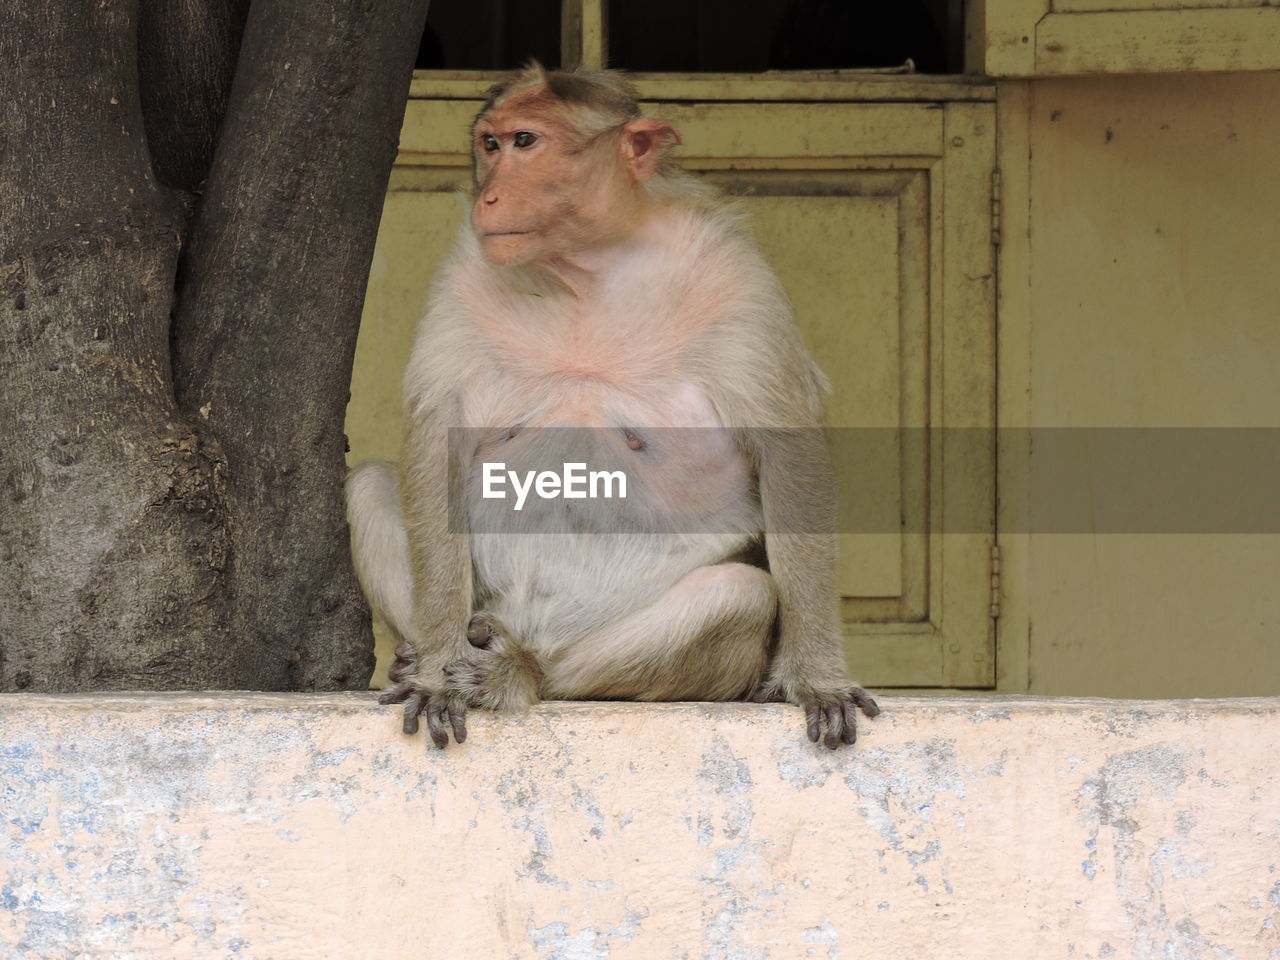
(541, 194)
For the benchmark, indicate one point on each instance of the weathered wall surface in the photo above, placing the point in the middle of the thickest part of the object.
(297, 827)
(1139, 289)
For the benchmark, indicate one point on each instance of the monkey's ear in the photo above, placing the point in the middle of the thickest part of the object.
(644, 141)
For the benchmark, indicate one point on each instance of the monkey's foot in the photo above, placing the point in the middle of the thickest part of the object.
(500, 673)
(836, 708)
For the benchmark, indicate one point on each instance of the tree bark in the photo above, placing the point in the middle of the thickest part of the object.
(171, 448)
(187, 52)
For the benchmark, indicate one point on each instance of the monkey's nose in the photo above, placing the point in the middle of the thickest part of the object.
(490, 199)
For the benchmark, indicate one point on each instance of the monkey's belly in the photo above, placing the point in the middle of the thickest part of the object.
(555, 590)
(556, 566)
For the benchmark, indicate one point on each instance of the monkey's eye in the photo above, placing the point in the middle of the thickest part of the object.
(524, 138)
(490, 142)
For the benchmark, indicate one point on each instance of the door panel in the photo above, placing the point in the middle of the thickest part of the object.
(835, 241)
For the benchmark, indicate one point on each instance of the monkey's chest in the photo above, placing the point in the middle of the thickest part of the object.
(578, 455)
(589, 502)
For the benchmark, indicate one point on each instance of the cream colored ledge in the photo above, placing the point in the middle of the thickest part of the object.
(296, 827)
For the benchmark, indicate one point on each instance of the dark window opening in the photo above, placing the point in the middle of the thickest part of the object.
(706, 36)
(733, 36)
(490, 34)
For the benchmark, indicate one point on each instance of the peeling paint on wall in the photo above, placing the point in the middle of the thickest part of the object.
(282, 827)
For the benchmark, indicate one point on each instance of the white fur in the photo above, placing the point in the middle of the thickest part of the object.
(378, 539)
(519, 349)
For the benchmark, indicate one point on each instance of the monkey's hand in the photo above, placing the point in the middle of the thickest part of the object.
(836, 706)
(500, 673)
(417, 699)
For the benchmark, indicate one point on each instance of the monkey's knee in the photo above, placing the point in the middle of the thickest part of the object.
(728, 652)
(736, 592)
(740, 638)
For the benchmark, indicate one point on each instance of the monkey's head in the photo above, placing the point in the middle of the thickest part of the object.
(562, 163)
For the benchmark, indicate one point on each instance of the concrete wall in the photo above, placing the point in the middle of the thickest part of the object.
(297, 827)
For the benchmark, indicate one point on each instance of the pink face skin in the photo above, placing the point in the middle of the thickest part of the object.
(543, 198)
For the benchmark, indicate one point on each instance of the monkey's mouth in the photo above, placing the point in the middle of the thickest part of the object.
(508, 233)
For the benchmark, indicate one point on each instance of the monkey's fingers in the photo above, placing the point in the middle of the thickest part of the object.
(812, 720)
(850, 721)
(767, 693)
(435, 722)
(835, 726)
(457, 711)
(479, 631)
(397, 694)
(412, 707)
(865, 701)
(401, 669)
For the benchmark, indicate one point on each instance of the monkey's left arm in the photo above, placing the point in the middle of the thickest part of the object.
(798, 497)
(768, 389)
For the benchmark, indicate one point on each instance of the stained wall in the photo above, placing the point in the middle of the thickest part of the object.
(296, 827)
(1138, 288)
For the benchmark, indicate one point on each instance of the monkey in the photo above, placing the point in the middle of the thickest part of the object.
(601, 299)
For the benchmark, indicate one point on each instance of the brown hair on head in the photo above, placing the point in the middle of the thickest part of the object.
(599, 99)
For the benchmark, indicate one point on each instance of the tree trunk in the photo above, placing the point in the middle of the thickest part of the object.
(177, 365)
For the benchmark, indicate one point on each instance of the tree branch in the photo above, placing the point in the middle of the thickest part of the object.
(272, 285)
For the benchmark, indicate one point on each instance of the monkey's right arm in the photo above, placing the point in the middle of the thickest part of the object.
(440, 564)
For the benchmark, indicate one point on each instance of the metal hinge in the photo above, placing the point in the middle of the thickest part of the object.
(995, 581)
(995, 207)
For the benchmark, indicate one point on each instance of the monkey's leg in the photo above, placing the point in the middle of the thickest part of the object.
(380, 553)
(705, 638)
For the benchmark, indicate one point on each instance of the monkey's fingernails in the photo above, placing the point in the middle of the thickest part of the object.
(835, 726)
(404, 651)
(458, 720)
(811, 716)
(850, 722)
